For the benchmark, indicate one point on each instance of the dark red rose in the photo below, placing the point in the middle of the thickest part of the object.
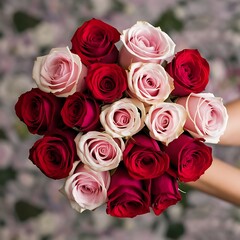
(107, 82)
(55, 153)
(40, 111)
(95, 41)
(81, 111)
(164, 193)
(143, 157)
(189, 157)
(127, 197)
(190, 72)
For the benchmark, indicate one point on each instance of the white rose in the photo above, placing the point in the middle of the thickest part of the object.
(149, 82)
(165, 121)
(123, 118)
(99, 150)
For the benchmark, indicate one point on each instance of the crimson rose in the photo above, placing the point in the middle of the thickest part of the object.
(190, 72)
(189, 158)
(40, 111)
(81, 111)
(127, 197)
(55, 153)
(94, 42)
(164, 193)
(107, 82)
(143, 157)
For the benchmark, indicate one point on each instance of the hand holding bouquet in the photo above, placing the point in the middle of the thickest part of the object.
(122, 126)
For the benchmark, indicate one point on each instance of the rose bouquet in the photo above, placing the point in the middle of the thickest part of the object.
(122, 126)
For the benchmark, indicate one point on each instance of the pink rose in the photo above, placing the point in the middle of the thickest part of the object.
(60, 72)
(127, 197)
(145, 43)
(207, 116)
(149, 82)
(99, 150)
(123, 118)
(86, 188)
(164, 193)
(165, 121)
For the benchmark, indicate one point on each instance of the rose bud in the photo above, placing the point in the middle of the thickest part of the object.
(99, 150)
(60, 72)
(164, 193)
(55, 153)
(94, 42)
(85, 188)
(165, 121)
(81, 111)
(127, 197)
(107, 82)
(149, 82)
(40, 111)
(189, 158)
(144, 43)
(190, 72)
(143, 157)
(207, 116)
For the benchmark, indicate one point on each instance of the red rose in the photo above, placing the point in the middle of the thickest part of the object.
(127, 197)
(94, 42)
(55, 153)
(189, 158)
(190, 72)
(164, 193)
(40, 111)
(81, 111)
(143, 157)
(107, 82)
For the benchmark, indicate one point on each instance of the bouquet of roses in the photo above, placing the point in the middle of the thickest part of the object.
(122, 126)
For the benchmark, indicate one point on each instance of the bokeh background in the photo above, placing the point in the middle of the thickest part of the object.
(31, 207)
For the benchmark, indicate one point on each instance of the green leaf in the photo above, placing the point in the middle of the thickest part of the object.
(175, 230)
(6, 175)
(22, 130)
(118, 6)
(3, 134)
(25, 210)
(168, 22)
(23, 21)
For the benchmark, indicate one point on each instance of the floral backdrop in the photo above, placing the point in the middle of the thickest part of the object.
(31, 206)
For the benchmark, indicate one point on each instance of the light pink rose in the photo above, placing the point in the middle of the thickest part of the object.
(99, 150)
(86, 188)
(60, 72)
(149, 82)
(123, 118)
(145, 43)
(207, 116)
(165, 121)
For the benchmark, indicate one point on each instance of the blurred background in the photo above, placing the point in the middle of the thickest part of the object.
(31, 207)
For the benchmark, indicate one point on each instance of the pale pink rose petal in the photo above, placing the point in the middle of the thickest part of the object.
(165, 121)
(144, 43)
(207, 116)
(99, 150)
(86, 188)
(123, 118)
(60, 72)
(149, 83)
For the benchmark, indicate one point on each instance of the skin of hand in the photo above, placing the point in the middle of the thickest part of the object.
(222, 180)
